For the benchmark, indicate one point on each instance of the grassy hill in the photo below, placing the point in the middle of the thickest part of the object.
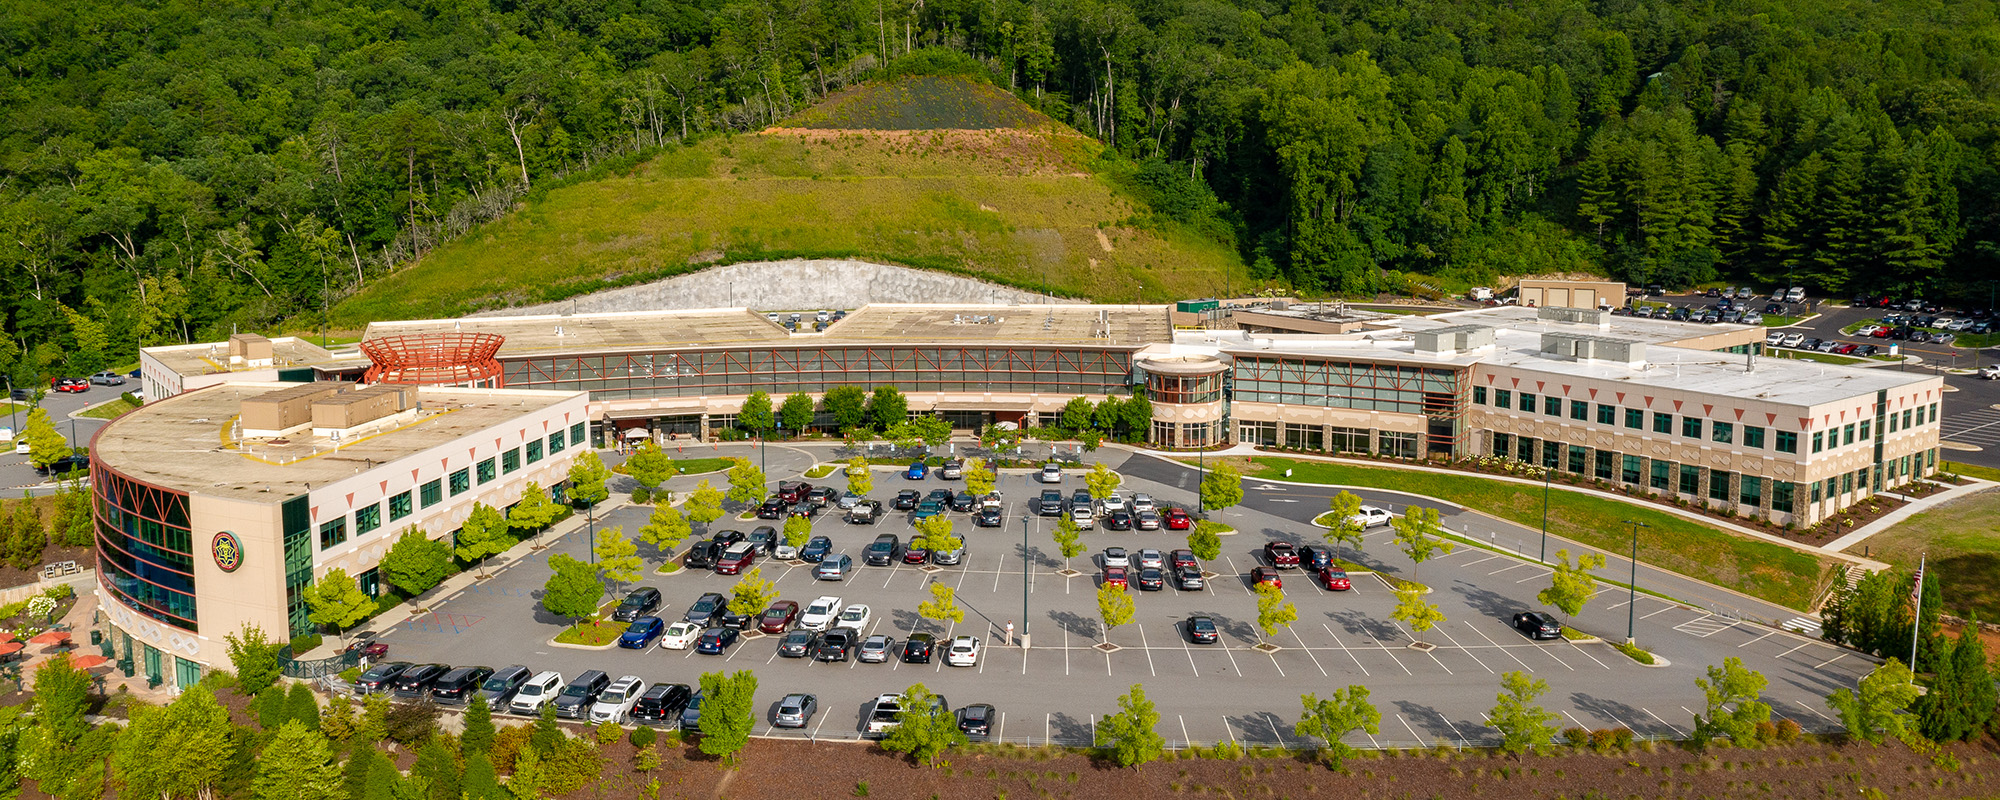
(938, 173)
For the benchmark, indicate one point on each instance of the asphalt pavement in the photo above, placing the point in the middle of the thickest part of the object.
(17, 476)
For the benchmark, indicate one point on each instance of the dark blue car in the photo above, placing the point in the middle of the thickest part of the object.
(715, 640)
(816, 549)
(917, 471)
(642, 633)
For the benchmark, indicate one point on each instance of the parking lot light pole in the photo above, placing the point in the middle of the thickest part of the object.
(1025, 566)
(1632, 601)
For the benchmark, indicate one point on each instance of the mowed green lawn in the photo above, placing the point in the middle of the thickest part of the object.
(1010, 205)
(1757, 568)
(1962, 538)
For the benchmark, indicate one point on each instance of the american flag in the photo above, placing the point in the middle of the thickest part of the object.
(1917, 590)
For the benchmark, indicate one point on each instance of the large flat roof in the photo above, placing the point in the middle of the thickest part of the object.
(211, 358)
(186, 442)
(625, 330)
(1114, 325)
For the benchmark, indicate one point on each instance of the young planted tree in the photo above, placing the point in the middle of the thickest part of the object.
(1114, 606)
(860, 479)
(979, 478)
(46, 445)
(535, 511)
(1523, 725)
(1077, 413)
(1206, 544)
(337, 600)
(1221, 488)
(256, 658)
(797, 412)
(728, 711)
(297, 765)
(1875, 709)
(934, 534)
(756, 415)
(1343, 526)
(649, 465)
(572, 590)
(798, 531)
(416, 562)
(1731, 684)
(1414, 611)
(1570, 585)
(1273, 612)
(1418, 534)
(179, 751)
(1129, 736)
(483, 534)
(925, 729)
(704, 505)
(1101, 481)
(587, 478)
(618, 557)
(1066, 536)
(942, 607)
(746, 483)
(752, 593)
(479, 731)
(848, 405)
(665, 530)
(887, 407)
(1333, 718)
(61, 725)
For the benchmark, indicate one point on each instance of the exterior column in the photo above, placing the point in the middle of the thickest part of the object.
(701, 430)
(1701, 484)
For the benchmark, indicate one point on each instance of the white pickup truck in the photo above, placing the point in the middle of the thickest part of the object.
(883, 717)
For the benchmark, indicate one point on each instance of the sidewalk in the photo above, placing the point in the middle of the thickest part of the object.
(1915, 506)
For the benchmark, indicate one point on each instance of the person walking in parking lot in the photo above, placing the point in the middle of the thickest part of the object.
(1010, 633)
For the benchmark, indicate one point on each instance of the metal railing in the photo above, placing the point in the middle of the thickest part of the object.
(294, 668)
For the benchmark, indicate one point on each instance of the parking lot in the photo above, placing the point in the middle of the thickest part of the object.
(1206, 693)
(16, 475)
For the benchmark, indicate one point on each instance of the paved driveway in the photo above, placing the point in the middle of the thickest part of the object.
(17, 477)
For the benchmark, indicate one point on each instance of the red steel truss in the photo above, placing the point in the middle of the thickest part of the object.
(435, 359)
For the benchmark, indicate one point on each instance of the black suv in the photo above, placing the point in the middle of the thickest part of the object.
(906, 500)
(701, 555)
(706, 609)
(459, 685)
(637, 603)
(1051, 504)
(416, 681)
(773, 508)
(65, 466)
(918, 648)
(882, 551)
(963, 502)
(499, 689)
(575, 700)
(662, 704)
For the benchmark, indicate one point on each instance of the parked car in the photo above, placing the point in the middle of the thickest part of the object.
(1281, 555)
(715, 641)
(70, 385)
(416, 681)
(917, 471)
(578, 695)
(1182, 557)
(822, 496)
(793, 492)
(1266, 575)
(1115, 502)
(926, 510)
(834, 567)
(681, 635)
(108, 378)
(906, 500)
(964, 652)
(1081, 516)
(1143, 502)
(764, 539)
(773, 508)
(795, 711)
(1115, 576)
(1177, 520)
(618, 700)
(1189, 578)
(1150, 579)
(918, 648)
(1335, 579)
(834, 645)
(706, 608)
(976, 721)
(642, 633)
(537, 691)
(691, 713)
(949, 558)
(1370, 516)
(848, 500)
(1315, 557)
(662, 703)
(882, 551)
(778, 618)
(819, 614)
(951, 470)
(1148, 520)
(807, 510)
(914, 554)
(64, 466)
(499, 688)
(701, 555)
(963, 502)
(380, 678)
(637, 603)
(854, 617)
(1116, 557)
(1537, 625)
(1050, 504)
(735, 560)
(1202, 630)
(1052, 473)
(987, 517)
(816, 549)
(1120, 520)
(797, 644)
(876, 649)
(866, 512)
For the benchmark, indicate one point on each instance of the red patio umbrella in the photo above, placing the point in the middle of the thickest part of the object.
(50, 637)
(11, 648)
(6, 636)
(86, 662)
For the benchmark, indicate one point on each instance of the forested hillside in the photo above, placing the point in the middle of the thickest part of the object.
(173, 169)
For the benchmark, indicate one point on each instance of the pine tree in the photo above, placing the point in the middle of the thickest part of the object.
(481, 783)
(437, 771)
(479, 731)
(383, 780)
(302, 707)
(297, 765)
(360, 764)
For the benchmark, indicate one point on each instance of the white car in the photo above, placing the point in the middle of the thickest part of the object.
(680, 635)
(1793, 339)
(1142, 502)
(849, 499)
(964, 652)
(1370, 517)
(820, 614)
(785, 552)
(1867, 330)
(1115, 557)
(854, 617)
(1115, 503)
(1990, 372)
(1052, 473)
(615, 704)
(540, 689)
(1774, 338)
(1082, 517)
(1150, 558)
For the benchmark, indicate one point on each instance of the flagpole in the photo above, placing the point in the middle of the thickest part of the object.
(1917, 619)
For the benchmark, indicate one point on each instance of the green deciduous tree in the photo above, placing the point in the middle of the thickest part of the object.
(55, 752)
(297, 765)
(1413, 610)
(1204, 543)
(752, 593)
(1570, 585)
(1077, 414)
(416, 562)
(728, 711)
(848, 405)
(798, 531)
(860, 479)
(1221, 488)
(336, 600)
(483, 534)
(1732, 684)
(924, 730)
(942, 607)
(666, 529)
(1101, 481)
(535, 510)
(46, 445)
(1272, 610)
(979, 478)
(704, 504)
(756, 415)
(180, 751)
(649, 465)
(1418, 534)
(618, 557)
(746, 483)
(1342, 526)
(887, 407)
(587, 477)
(256, 659)
(1067, 536)
(1333, 718)
(572, 590)
(1875, 709)
(1129, 736)
(1114, 606)
(1523, 725)
(935, 533)
(797, 412)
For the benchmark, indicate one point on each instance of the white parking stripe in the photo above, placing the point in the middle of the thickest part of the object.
(1813, 710)
(1758, 639)
(1309, 652)
(1343, 647)
(1822, 664)
(1670, 726)
(1480, 661)
(1659, 612)
(1510, 654)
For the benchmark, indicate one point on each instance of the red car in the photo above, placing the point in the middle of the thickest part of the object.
(1182, 558)
(1115, 576)
(736, 559)
(793, 492)
(1266, 575)
(1335, 579)
(915, 555)
(778, 618)
(71, 385)
(1178, 520)
(1281, 555)
(1845, 349)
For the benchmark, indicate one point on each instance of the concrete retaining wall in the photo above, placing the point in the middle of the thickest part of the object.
(795, 285)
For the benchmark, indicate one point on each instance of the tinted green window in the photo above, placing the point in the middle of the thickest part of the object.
(1718, 485)
(576, 433)
(510, 460)
(1819, 441)
(431, 494)
(1504, 398)
(1630, 471)
(332, 533)
(555, 442)
(1479, 395)
(1691, 427)
(399, 506)
(1579, 410)
(367, 519)
(1788, 442)
(1847, 434)
(1753, 436)
(1552, 406)
(534, 451)
(486, 471)
(1690, 479)
(1661, 474)
(1527, 402)
(1635, 419)
(1864, 428)
(460, 482)
(1577, 456)
(1663, 423)
(1724, 432)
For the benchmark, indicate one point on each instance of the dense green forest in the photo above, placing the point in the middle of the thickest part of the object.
(172, 170)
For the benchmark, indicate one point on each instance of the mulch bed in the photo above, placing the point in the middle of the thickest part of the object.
(788, 770)
(11, 577)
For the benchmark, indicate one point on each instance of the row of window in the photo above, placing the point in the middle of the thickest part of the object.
(1751, 436)
(368, 518)
(1327, 438)
(1666, 476)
